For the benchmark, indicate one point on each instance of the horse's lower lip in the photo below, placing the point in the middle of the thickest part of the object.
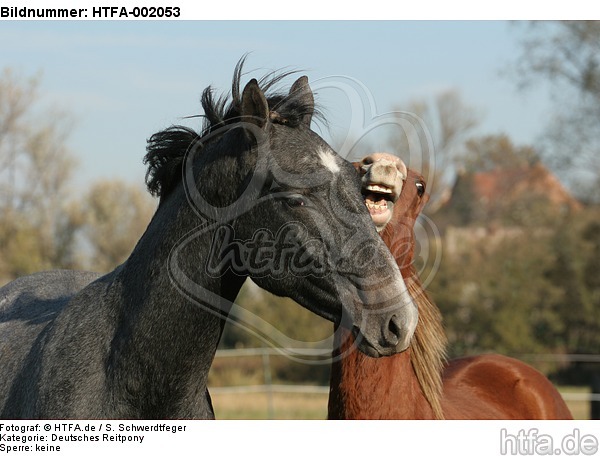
(369, 350)
(373, 352)
(381, 217)
(376, 351)
(367, 347)
(364, 345)
(380, 214)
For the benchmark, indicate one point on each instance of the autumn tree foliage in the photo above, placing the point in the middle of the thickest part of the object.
(43, 223)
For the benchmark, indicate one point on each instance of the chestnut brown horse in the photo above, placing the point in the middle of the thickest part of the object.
(419, 383)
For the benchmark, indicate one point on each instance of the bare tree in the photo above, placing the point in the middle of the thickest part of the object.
(42, 226)
(447, 122)
(35, 168)
(567, 55)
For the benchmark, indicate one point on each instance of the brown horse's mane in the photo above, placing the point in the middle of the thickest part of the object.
(428, 346)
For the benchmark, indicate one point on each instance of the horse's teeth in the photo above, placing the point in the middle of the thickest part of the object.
(378, 188)
(376, 205)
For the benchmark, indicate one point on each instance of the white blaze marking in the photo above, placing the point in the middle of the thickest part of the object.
(328, 160)
(410, 312)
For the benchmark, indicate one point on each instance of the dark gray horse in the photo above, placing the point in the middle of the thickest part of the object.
(256, 194)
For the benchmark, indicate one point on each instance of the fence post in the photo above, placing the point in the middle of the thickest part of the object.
(269, 384)
(595, 404)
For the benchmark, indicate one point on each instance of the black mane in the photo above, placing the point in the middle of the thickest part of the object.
(166, 149)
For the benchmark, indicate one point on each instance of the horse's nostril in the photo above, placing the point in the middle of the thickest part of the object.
(367, 160)
(393, 334)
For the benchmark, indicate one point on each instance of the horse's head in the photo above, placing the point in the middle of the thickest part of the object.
(287, 212)
(395, 196)
(382, 177)
(310, 199)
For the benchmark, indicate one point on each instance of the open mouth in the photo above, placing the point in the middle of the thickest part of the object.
(379, 200)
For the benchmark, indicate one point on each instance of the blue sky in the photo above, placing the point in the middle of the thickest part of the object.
(123, 81)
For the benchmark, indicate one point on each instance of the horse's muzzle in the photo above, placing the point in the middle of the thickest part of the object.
(394, 337)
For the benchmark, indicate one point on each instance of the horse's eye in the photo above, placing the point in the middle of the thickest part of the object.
(420, 188)
(295, 201)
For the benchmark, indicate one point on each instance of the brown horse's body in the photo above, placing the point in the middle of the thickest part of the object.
(499, 387)
(419, 383)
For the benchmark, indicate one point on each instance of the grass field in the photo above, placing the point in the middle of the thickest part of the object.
(255, 406)
(286, 406)
(579, 409)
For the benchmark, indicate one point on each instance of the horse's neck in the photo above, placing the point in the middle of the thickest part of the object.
(166, 337)
(368, 388)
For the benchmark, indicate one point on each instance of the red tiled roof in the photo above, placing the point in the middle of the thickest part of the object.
(511, 184)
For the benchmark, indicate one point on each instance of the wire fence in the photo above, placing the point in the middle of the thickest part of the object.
(565, 358)
(269, 386)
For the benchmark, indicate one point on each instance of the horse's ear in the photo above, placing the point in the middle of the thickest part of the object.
(255, 108)
(301, 91)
